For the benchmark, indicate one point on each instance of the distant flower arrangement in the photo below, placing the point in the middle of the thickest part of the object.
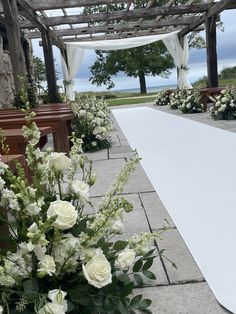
(92, 122)
(58, 258)
(163, 98)
(224, 105)
(187, 100)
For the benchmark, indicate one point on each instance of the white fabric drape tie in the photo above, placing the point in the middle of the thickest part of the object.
(76, 51)
(181, 58)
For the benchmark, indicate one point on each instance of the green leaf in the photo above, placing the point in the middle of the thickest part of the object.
(79, 296)
(138, 265)
(120, 245)
(135, 301)
(144, 304)
(108, 304)
(124, 278)
(123, 308)
(148, 264)
(31, 286)
(138, 279)
(127, 289)
(148, 254)
(149, 274)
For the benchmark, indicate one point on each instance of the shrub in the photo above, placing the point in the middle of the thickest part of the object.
(163, 98)
(224, 105)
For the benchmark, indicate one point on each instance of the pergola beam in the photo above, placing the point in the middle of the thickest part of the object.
(143, 25)
(62, 4)
(214, 10)
(123, 15)
(32, 16)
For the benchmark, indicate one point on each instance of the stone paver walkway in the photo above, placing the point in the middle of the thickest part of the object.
(176, 291)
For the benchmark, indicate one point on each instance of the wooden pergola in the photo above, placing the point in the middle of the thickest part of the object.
(29, 19)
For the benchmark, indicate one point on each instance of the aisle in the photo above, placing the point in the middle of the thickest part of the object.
(192, 166)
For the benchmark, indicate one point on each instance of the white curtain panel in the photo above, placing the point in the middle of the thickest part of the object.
(76, 51)
(181, 58)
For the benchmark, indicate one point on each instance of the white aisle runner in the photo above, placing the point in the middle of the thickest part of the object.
(192, 166)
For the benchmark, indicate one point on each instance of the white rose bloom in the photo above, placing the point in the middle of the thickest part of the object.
(47, 266)
(52, 308)
(223, 91)
(65, 212)
(57, 297)
(98, 271)
(125, 259)
(218, 103)
(1, 309)
(188, 105)
(224, 99)
(58, 161)
(81, 188)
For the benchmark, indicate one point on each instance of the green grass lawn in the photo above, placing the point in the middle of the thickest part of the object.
(130, 101)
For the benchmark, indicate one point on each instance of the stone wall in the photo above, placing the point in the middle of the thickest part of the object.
(6, 80)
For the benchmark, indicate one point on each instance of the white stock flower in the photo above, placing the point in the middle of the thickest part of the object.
(2, 183)
(47, 266)
(58, 161)
(98, 271)
(65, 212)
(52, 308)
(27, 247)
(125, 259)
(118, 226)
(81, 188)
(39, 251)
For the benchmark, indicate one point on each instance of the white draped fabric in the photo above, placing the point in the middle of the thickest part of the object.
(181, 58)
(76, 51)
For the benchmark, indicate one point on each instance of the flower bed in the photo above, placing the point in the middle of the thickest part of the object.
(92, 122)
(58, 258)
(163, 98)
(224, 105)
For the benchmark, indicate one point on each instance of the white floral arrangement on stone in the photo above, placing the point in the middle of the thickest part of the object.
(92, 122)
(57, 258)
(191, 101)
(224, 105)
(162, 98)
(187, 100)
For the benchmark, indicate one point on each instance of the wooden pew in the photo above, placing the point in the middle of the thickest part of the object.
(59, 123)
(17, 143)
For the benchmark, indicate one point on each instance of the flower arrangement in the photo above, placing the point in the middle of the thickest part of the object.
(175, 98)
(57, 257)
(224, 105)
(92, 122)
(188, 101)
(191, 102)
(163, 98)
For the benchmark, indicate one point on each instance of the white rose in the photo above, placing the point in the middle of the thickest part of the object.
(58, 161)
(98, 271)
(52, 308)
(224, 99)
(65, 212)
(47, 266)
(81, 188)
(57, 297)
(1, 309)
(125, 259)
(218, 103)
(188, 106)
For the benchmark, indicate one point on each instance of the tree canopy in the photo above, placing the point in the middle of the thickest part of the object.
(138, 62)
(39, 72)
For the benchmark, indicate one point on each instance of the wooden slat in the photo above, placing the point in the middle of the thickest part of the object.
(143, 25)
(123, 15)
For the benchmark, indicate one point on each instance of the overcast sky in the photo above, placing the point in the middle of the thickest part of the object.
(226, 48)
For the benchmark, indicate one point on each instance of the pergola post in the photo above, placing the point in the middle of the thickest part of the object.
(50, 67)
(211, 44)
(14, 43)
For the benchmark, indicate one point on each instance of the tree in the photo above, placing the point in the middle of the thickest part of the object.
(138, 62)
(39, 72)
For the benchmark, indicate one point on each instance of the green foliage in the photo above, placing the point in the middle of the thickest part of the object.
(39, 72)
(228, 73)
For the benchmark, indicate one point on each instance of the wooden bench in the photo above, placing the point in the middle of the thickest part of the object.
(17, 143)
(59, 123)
